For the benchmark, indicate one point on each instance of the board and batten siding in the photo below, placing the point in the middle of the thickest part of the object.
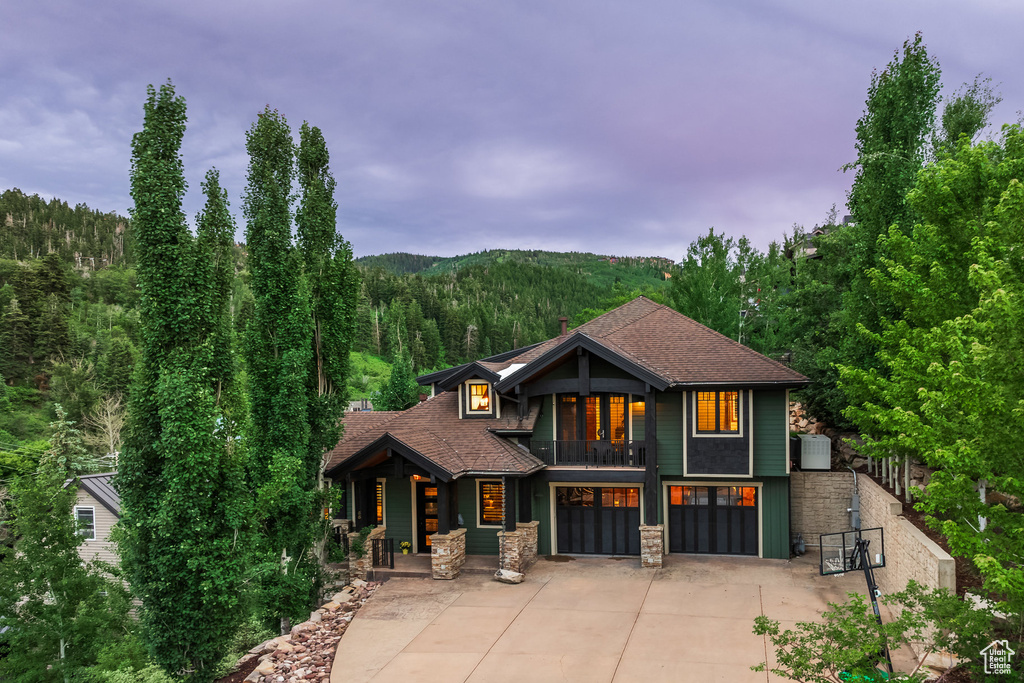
(669, 429)
(771, 431)
(543, 429)
(542, 513)
(775, 517)
(479, 541)
(103, 519)
(398, 495)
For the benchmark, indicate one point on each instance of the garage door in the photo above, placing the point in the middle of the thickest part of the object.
(712, 519)
(599, 520)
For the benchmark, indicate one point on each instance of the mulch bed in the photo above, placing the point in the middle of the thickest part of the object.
(240, 675)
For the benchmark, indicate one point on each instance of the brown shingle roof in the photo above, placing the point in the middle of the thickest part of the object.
(678, 349)
(433, 429)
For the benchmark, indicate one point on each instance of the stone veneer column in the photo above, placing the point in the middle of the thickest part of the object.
(447, 554)
(510, 549)
(359, 568)
(528, 530)
(652, 545)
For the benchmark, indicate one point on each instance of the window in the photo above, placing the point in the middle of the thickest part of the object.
(598, 417)
(86, 518)
(491, 503)
(380, 504)
(480, 398)
(718, 412)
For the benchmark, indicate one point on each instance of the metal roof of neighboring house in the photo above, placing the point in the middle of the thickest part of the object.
(99, 487)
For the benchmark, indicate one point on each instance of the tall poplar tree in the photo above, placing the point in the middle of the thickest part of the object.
(180, 477)
(333, 287)
(278, 357)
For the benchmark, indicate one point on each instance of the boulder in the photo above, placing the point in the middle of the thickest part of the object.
(358, 583)
(506, 576)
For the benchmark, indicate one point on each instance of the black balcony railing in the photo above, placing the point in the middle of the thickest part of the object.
(590, 453)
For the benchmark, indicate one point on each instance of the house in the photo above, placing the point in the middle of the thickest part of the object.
(97, 509)
(638, 429)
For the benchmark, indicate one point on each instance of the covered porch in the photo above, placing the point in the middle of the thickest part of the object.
(444, 518)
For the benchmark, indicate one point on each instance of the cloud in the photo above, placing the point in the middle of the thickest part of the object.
(517, 171)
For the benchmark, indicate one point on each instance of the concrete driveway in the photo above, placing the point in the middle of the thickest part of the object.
(587, 620)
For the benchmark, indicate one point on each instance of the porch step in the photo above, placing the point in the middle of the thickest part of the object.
(418, 567)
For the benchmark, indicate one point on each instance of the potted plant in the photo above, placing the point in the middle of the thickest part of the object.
(406, 545)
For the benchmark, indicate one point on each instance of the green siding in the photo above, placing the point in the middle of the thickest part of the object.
(542, 513)
(770, 433)
(775, 517)
(478, 541)
(670, 433)
(542, 429)
(398, 510)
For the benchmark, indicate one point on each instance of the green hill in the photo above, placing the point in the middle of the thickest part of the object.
(603, 270)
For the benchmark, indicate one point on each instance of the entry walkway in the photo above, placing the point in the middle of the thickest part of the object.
(587, 620)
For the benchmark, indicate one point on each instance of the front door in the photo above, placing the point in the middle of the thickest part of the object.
(712, 519)
(426, 514)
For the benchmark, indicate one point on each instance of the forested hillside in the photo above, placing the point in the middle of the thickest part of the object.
(69, 312)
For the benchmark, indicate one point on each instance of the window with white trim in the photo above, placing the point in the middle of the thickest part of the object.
(718, 412)
(479, 397)
(86, 518)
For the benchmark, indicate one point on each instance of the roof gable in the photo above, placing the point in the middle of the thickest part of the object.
(99, 486)
(670, 348)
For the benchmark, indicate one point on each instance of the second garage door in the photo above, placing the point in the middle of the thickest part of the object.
(712, 519)
(599, 520)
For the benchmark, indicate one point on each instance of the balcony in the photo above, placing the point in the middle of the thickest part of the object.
(590, 453)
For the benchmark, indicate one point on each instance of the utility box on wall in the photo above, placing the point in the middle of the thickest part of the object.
(815, 452)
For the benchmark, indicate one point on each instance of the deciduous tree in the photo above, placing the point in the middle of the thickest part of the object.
(180, 474)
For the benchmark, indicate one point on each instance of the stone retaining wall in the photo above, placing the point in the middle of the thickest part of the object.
(818, 504)
(909, 553)
(447, 554)
(359, 567)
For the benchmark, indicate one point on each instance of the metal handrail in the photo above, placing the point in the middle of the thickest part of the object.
(591, 453)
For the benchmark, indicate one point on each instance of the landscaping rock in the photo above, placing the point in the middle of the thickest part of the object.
(506, 576)
(307, 654)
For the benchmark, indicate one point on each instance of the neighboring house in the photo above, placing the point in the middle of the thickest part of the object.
(639, 417)
(97, 509)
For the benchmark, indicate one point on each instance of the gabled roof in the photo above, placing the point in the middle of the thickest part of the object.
(99, 487)
(671, 349)
(433, 430)
(497, 360)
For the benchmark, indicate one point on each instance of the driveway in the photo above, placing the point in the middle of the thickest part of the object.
(588, 620)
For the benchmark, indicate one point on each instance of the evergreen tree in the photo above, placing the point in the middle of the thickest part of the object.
(179, 475)
(400, 391)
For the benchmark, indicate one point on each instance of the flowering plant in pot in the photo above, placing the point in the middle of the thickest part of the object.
(406, 545)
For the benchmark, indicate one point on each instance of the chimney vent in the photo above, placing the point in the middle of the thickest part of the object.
(565, 324)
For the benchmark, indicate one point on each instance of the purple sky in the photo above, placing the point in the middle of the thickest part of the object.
(614, 127)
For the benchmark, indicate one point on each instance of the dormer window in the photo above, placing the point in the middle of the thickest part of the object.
(479, 398)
